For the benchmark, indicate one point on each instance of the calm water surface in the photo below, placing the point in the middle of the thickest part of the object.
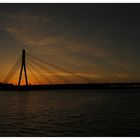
(70, 113)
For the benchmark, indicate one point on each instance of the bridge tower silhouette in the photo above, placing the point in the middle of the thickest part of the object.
(23, 68)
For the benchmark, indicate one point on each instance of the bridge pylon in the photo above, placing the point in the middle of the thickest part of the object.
(23, 68)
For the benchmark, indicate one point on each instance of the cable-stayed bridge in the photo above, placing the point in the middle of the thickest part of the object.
(29, 65)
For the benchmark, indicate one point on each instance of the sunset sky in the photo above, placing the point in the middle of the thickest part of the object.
(97, 41)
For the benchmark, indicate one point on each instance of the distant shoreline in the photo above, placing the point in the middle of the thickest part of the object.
(86, 86)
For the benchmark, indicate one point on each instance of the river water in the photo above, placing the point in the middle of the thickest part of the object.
(70, 113)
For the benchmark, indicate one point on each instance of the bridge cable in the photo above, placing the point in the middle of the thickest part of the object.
(38, 71)
(63, 79)
(12, 71)
(57, 67)
(31, 69)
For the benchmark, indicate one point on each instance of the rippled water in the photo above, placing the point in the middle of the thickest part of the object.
(70, 113)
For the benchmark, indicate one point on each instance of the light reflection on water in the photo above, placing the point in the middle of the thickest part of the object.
(70, 113)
